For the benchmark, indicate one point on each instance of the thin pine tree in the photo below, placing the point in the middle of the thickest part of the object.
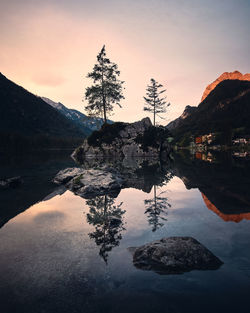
(155, 102)
(106, 90)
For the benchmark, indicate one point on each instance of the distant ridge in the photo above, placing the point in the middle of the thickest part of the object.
(190, 110)
(87, 124)
(227, 107)
(175, 123)
(227, 75)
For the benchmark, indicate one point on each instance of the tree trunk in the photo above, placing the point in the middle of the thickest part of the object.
(104, 101)
(155, 197)
(104, 111)
(154, 112)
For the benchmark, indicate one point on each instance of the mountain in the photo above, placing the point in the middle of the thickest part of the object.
(75, 116)
(226, 107)
(27, 120)
(227, 75)
(236, 75)
(175, 123)
(87, 124)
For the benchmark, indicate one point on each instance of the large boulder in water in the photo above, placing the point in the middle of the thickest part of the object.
(138, 139)
(90, 183)
(174, 255)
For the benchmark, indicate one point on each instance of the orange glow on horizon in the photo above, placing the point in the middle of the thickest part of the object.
(48, 48)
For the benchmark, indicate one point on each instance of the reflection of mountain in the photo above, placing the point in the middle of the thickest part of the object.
(225, 186)
(37, 171)
(226, 217)
(108, 221)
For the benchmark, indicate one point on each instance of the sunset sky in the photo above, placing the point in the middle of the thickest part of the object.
(49, 46)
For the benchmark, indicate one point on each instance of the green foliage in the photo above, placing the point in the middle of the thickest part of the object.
(154, 103)
(106, 89)
(106, 134)
(152, 137)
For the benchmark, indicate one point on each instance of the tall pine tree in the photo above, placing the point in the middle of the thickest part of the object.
(106, 89)
(154, 102)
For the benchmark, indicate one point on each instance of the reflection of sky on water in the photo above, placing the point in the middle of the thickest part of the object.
(46, 251)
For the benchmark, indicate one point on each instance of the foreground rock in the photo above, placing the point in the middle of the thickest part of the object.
(90, 183)
(139, 173)
(139, 139)
(174, 255)
(12, 182)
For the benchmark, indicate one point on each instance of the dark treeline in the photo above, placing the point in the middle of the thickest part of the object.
(19, 142)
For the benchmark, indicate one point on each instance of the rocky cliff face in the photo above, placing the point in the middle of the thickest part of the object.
(125, 140)
(227, 75)
(187, 112)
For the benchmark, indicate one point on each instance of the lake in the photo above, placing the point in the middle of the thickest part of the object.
(59, 254)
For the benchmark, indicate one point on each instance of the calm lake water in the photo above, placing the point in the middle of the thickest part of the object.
(59, 254)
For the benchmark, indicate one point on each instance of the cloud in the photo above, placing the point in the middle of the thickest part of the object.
(50, 217)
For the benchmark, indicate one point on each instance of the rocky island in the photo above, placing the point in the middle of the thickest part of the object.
(138, 139)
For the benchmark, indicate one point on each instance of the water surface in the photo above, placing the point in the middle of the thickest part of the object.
(62, 253)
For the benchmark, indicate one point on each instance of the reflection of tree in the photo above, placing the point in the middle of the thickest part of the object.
(108, 221)
(156, 209)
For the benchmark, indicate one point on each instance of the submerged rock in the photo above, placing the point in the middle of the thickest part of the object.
(12, 182)
(90, 183)
(174, 255)
(138, 139)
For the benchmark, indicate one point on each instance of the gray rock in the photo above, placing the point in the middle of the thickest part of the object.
(90, 183)
(174, 255)
(58, 192)
(124, 144)
(12, 182)
(67, 174)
